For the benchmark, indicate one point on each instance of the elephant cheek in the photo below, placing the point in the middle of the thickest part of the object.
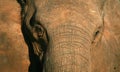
(68, 50)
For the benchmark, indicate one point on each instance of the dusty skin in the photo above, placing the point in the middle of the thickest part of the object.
(60, 36)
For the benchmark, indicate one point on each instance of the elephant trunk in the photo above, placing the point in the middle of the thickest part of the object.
(68, 50)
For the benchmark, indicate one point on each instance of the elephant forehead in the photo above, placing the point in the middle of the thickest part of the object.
(61, 15)
(57, 16)
(55, 13)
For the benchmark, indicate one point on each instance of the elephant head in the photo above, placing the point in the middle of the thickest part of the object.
(67, 35)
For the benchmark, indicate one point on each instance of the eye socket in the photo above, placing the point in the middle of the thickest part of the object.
(97, 35)
(39, 30)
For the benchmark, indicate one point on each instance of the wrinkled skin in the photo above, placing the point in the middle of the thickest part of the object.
(73, 35)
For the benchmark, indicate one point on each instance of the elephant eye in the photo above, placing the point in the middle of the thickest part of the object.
(39, 30)
(97, 34)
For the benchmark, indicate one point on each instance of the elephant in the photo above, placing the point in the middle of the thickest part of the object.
(72, 35)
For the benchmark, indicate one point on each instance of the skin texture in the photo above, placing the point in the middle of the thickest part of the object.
(77, 35)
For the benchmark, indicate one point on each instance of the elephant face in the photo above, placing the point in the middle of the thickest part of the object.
(71, 36)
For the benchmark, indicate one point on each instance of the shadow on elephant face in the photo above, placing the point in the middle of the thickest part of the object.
(36, 38)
